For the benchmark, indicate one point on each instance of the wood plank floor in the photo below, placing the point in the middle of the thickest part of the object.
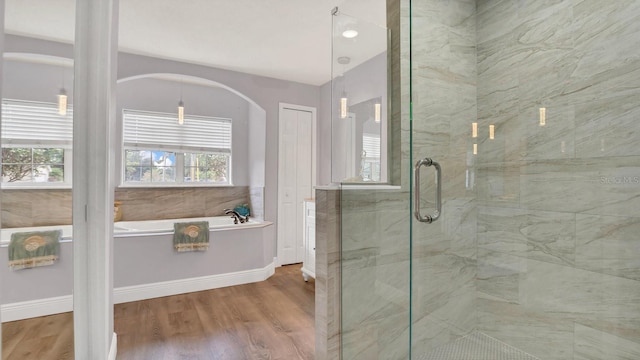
(273, 319)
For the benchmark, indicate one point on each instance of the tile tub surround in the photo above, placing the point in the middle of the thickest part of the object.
(35, 207)
(44, 207)
(173, 203)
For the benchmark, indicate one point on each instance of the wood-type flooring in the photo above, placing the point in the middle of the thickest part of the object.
(273, 319)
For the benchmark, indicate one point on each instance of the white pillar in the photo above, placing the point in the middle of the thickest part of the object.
(1, 83)
(93, 164)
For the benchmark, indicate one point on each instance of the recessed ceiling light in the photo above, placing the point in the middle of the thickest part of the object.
(350, 34)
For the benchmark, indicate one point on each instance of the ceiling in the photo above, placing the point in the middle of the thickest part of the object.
(283, 39)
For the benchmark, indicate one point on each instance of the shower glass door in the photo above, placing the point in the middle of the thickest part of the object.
(531, 109)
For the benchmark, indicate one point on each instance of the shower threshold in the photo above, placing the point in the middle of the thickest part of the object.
(477, 346)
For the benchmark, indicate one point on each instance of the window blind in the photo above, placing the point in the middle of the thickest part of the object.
(29, 123)
(161, 131)
(371, 145)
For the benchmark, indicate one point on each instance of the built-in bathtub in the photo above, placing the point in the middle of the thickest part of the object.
(145, 227)
(145, 265)
(218, 223)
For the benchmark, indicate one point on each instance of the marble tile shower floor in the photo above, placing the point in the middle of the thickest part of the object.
(477, 346)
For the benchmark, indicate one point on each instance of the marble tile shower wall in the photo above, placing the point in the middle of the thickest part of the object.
(558, 219)
(444, 106)
(375, 275)
(25, 208)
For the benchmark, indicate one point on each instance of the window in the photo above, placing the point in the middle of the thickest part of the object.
(36, 144)
(157, 150)
(371, 157)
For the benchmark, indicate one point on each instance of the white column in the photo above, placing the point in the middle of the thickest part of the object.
(93, 164)
(1, 83)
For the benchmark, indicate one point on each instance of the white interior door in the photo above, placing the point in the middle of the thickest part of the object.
(295, 180)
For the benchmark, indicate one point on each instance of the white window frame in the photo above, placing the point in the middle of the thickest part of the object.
(373, 143)
(18, 132)
(198, 146)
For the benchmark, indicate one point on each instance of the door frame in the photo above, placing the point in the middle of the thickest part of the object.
(314, 126)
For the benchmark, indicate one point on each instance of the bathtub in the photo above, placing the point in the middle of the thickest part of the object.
(5, 234)
(145, 264)
(137, 228)
(218, 223)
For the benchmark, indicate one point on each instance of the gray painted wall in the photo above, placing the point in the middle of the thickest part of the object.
(150, 94)
(39, 283)
(20, 77)
(143, 260)
(229, 251)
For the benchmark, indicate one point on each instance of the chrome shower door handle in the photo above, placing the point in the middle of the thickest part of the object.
(416, 174)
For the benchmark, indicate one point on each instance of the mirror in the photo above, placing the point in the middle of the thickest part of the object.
(358, 101)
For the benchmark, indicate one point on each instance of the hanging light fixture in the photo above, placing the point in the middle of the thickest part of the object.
(543, 116)
(62, 102)
(343, 105)
(474, 130)
(180, 112)
(344, 101)
(180, 107)
(492, 132)
(376, 112)
(62, 97)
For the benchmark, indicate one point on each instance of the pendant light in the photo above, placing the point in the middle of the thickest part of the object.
(343, 105)
(180, 108)
(62, 98)
(376, 112)
(62, 102)
(344, 101)
(180, 112)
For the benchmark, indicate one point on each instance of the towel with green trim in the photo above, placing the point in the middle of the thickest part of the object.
(33, 249)
(191, 236)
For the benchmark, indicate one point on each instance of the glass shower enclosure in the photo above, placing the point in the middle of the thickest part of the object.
(508, 226)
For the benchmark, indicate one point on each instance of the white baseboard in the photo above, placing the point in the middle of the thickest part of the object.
(167, 288)
(113, 351)
(35, 308)
(61, 304)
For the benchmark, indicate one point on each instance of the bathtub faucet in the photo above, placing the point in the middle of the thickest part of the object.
(236, 217)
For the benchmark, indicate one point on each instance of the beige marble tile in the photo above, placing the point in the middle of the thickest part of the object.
(541, 334)
(607, 127)
(328, 275)
(540, 235)
(499, 184)
(595, 186)
(496, 18)
(592, 344)
(500, 275)
(601, 301)
(149, 204)
(26, 208)
(608, 244)
(554, 140)
(605, 33)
